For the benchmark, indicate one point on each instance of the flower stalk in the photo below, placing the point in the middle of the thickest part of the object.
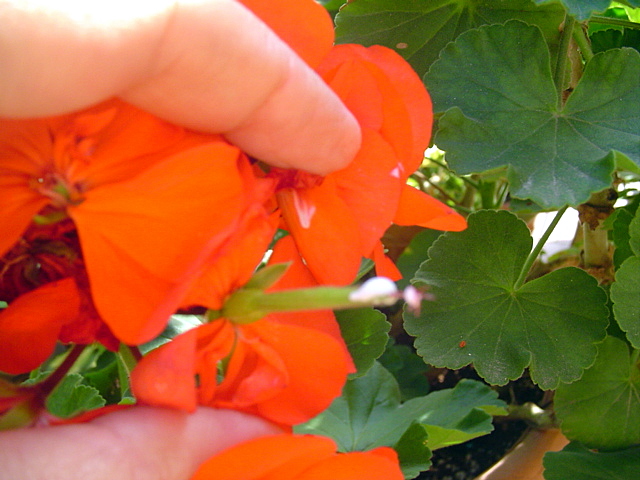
(248, 305)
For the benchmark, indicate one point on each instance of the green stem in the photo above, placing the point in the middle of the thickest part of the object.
(501, 196)
(128, 358)
(467, 180)
(533, 415)
(562, 58)
(538, 248)
(249, 305)
(582, 40)
(617, 22)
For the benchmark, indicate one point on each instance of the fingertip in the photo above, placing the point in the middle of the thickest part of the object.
(302, 125)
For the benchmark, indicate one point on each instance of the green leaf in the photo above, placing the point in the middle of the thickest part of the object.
(366, 332)
(414, 255)
(461, 413)
(71, 397)
(625, 291)
(103, 377)
(602, 409)
(369, 413)
(550, 324)
(501, 109)
(620, 235)
(408, 369)
(577, 462)
(353, 419)
(607, 39)
(582, 9)
(418, 30)
(625, 295)
(413, 453)
(634, 234)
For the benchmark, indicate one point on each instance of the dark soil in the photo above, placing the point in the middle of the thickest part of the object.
(468, 460)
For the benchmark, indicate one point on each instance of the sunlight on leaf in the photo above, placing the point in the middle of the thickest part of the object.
(501, 109)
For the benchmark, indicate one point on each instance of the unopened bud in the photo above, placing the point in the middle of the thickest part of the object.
(376, 291)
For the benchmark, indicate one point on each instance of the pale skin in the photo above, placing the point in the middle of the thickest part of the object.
(141, 443)
(210, 66)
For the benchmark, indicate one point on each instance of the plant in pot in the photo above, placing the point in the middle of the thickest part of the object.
(536, 108)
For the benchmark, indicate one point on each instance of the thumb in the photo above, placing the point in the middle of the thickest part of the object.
(141, 443)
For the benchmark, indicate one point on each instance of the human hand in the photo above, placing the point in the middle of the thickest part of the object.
(141, 443)
(191, 62)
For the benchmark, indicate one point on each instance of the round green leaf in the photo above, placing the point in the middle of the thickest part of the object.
(479, 316)
(620, 235)
(625, 295)
(418, 30)
(625, 292)
(501, 109)
(575, 461)
(602, 409)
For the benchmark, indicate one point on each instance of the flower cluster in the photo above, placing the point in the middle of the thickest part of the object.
(113, 220)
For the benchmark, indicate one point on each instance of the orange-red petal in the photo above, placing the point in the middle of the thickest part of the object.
(304, 25)
(18, 205)
(298, 457)
(292, 372)
(418, 208)
(165, 377)
(30, 326)
(235, 262)
(378, 464)
(263, 458)
(144, 240)
(325, 231)
(407, 105)
(370, 187)
(384, 265)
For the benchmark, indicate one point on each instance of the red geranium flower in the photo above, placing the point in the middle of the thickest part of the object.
(299, 457)
(286, 367)
(338, 219)
(151, 202)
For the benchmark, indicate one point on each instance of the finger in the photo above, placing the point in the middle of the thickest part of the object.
(142, 443)
(239, 78)
(209, 65)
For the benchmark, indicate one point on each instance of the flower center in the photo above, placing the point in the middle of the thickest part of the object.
(58, 189)
(290, 178)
